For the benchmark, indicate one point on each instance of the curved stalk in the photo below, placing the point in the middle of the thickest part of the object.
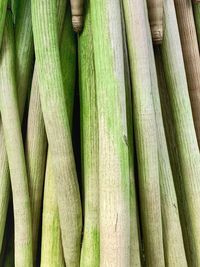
(57, 126)
(14, 148)
(52, 251)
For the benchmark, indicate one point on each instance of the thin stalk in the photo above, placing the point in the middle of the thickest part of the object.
(57, 126)
(186, 142)
(145, 132)
(14, 148)
(52, 252)
(135, 239)
(114, 182)
(3, 8)
(36, 143)
(172, 233)
(89, 137)
(24, 63)
(191, 56)
(77, 14)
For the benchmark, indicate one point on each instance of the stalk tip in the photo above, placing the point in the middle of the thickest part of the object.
(77, 23)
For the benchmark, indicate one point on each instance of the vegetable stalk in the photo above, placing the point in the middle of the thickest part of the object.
(89, 132)
(186, 142)
(145, 132)
(14, 148)
(57, 126)
(191, 56)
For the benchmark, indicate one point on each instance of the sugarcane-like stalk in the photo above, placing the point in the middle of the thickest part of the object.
(155, 11)
(36, 143)
(135, 238)
(145, 132)
(52, 98)
(172, 233)
(77, 14)
(24, 63)
(114, 182)
(89, 132)
(186, 142)
(14, 148)
(52, 252)
(191, 56)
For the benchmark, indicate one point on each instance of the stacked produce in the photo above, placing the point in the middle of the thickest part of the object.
(99, 133)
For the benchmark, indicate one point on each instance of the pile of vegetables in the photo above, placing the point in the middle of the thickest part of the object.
(99, 133)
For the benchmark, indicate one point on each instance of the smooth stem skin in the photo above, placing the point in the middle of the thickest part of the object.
(114, 181)
(172, 233)
(196, 10)
(52, 252)
(135, 260)
(36, 144)
(14, 148)
(89, 138)
(155, 12)
(171, 143)
(3, 8)
(145, 132)
(24, 63)
(54, 110)
(191, 56)
(186, 142)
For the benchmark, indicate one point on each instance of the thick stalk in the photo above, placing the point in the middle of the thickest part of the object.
(145, 132)
(89, 137)
(24, 63)
(57, 126)
(186, 142)
(172, 233)
(77, 14)
(52, 252)
(36, 143)
(14, 148)
(114, 182)
(191, 56)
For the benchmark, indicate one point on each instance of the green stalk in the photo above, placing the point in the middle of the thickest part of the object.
(186, 142)
(145, 132)
(14, 148)
(134, 216)
(3, 8)
(52, 252)
(196, 10)
(36, 144)
(191, 56)
(89, 137)
(114, 182)
(24, 62)
(57, 126)
(172, 233)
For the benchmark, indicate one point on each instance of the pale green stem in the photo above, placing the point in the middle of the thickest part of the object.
(14, 148)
